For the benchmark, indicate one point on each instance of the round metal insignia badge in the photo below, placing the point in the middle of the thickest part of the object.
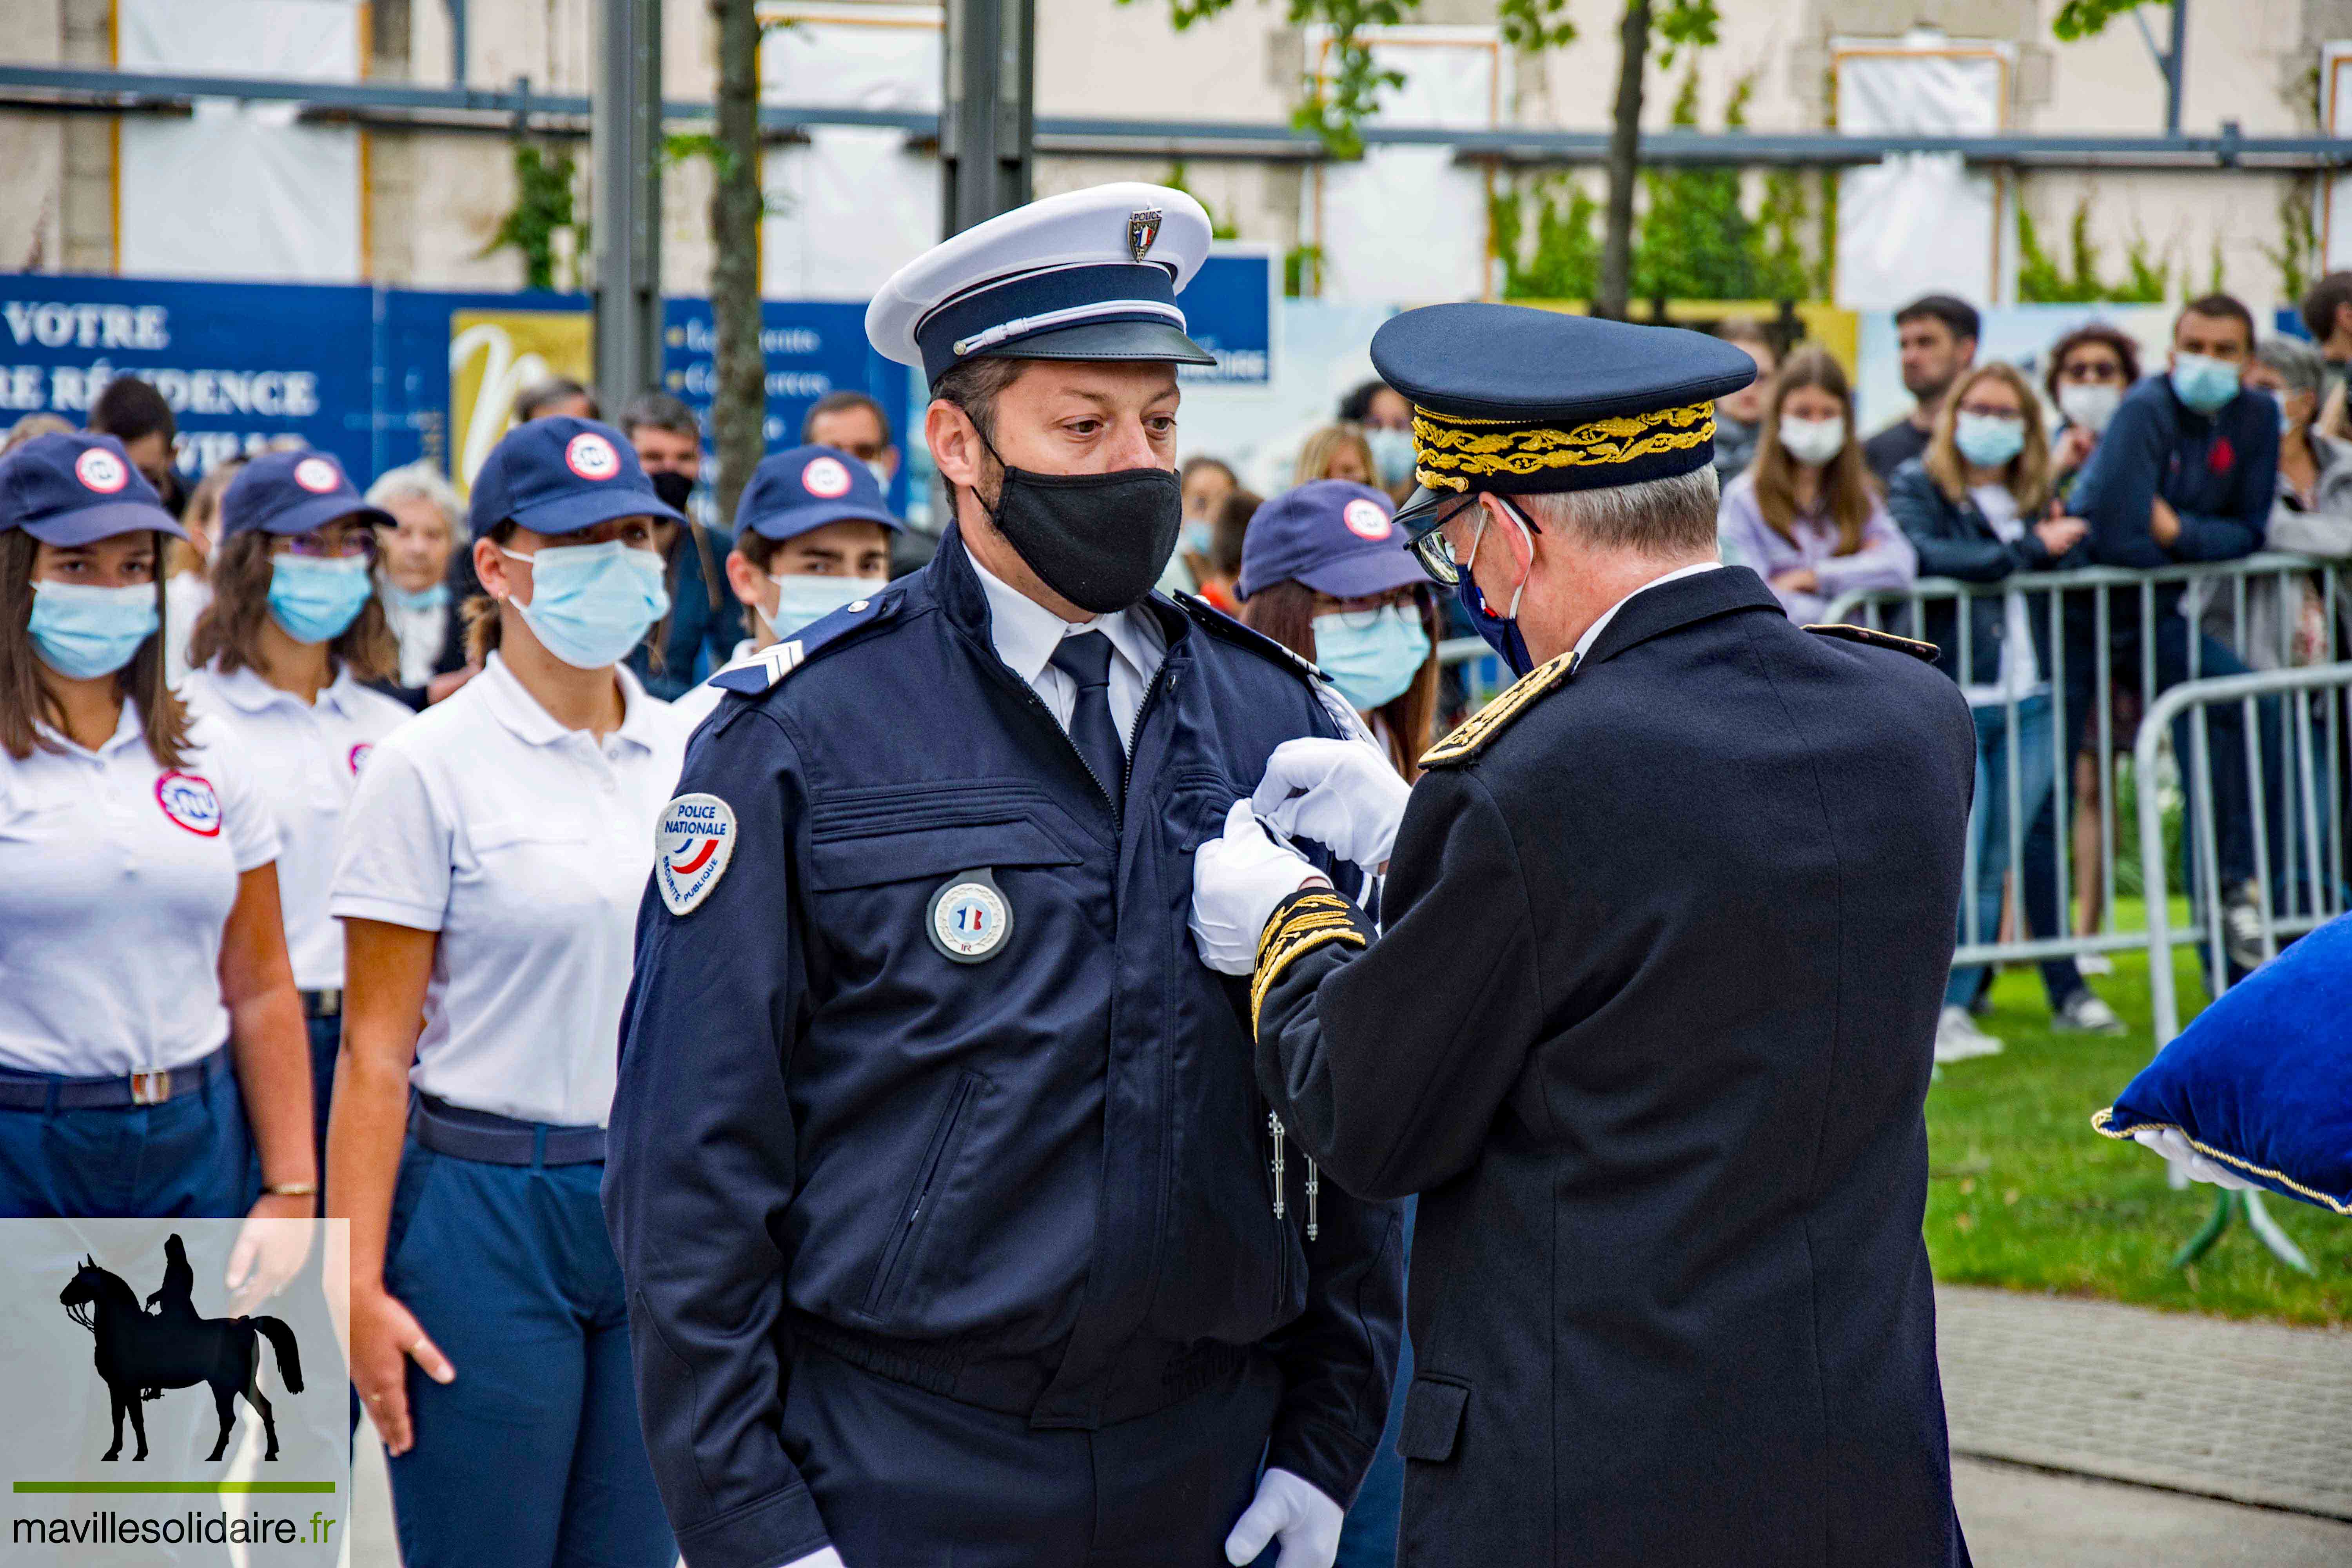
(970, 918)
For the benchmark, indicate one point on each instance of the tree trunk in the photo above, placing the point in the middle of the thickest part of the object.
(1624, 153)
(738, 408)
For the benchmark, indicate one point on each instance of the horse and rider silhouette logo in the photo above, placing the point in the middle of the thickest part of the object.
(141, 1353)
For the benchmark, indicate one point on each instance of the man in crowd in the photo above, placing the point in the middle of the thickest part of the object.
(134, 413)
(1938, 338)
(2187, 471)
(1740, 415)
(558, 394)
(953, 1226)
(1655, 1062)
(854, 423)
(702, 627)
(2327, 317)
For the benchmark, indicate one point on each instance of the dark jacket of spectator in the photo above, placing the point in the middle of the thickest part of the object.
(703, 616)
(1956, 539)
(2219, 472)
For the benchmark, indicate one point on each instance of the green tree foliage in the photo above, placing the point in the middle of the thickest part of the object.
(1178, 179)
(2087, 18)
(2044, 280)
(1694, 241)
(544, 207)
(1564, 262)
(2296, 255)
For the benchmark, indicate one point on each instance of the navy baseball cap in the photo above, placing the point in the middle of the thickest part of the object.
(292, 492)
(1338, 538)
(808, 486)
(71, 487)
(559, 475)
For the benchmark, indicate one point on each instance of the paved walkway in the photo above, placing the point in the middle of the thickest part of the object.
(2244, 1411)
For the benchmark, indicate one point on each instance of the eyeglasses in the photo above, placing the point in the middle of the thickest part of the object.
(1363, 615)
(1982, 411)
(1436, 556)
(359, 544)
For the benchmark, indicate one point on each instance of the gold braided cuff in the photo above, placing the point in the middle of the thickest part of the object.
(1450, 451)
(1303, 924)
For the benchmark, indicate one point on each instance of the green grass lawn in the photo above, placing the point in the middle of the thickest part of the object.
(2022, 1193)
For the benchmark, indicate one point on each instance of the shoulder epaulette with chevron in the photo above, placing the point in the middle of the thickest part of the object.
(1473, 734)
(1871, 637)
(772, 663)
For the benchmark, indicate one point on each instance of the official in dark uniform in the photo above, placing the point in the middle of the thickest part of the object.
(954, 1225)
(1649, 1020)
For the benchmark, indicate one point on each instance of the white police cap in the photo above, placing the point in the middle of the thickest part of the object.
(1088, 275)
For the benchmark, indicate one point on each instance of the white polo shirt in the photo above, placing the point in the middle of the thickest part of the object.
(116, 877)
(527, 847)
(306, 758)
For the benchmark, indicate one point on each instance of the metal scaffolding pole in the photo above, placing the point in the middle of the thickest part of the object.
(624, 141)
(987, 122)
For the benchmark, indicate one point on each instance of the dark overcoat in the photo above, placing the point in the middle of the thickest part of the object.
(1650, 1029)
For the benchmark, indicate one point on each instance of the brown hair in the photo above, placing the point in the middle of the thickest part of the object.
(480, 612)
(1285, 611)
(2127, 352)
(1847, 491)
(2219, 308)
(1230, 527)
(25, 701)
(1314, 457)
(229, 630)
(2027, 474)
(204, 510)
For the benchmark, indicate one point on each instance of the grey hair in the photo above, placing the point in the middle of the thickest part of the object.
(1669, 517)
(2298, 364)
(421, 480)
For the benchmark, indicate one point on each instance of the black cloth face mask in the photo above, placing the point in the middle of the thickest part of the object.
(1100, 541)
(673, 489)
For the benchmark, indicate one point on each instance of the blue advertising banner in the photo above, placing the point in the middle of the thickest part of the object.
(1229, 309)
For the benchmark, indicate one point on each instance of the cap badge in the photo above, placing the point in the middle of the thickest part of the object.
(1365, 519)
(592, 456)
(317, 476)
(825, 478)
(1143, 229)
(100, 471)
(695, 840)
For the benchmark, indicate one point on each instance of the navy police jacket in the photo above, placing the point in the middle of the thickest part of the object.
(1038, 1182)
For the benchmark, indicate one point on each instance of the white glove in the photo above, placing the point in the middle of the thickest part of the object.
(1350, 798)
(827, 1558)
(1238, 880)
(1293, 1511)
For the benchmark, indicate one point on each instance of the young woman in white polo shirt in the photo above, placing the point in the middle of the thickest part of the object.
(151, 1040)
(292, 629)
(492, 864)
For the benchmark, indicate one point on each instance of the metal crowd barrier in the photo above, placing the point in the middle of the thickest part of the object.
(2270, 610)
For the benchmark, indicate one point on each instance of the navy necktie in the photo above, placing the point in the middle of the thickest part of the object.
(1085, 659)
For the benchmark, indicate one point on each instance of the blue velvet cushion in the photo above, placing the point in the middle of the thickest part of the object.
(2260, 1083)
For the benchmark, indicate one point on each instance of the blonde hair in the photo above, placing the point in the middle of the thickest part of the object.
(1314, 457)
(1848, 492)
(2026, 476)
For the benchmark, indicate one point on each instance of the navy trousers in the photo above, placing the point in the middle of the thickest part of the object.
(188, 1158)
(532, 1458)
(909, 1479)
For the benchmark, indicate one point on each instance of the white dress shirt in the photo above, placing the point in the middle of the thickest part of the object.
(305, 759)
(527, 847)
(117, 875)
(1026, 634)
(1592, 633)
(422, 634)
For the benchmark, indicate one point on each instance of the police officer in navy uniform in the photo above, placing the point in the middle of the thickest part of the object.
(955, 1226)
(1649, 1020)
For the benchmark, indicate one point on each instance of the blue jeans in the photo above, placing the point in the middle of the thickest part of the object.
(1988, 818)
(532, 1458)
(190, 1157)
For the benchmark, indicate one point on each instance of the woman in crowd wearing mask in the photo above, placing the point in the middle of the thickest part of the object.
(1385, 417)
(151, 1041)
(488, 887)
(1206, 482)
(1738, 417)
(2313, 515)
(1971, 505)
(282, 653)
(1337, 452)
(1807, 516)
(1323, 575)
(812, 534)
(413, 581)
(2091, 368)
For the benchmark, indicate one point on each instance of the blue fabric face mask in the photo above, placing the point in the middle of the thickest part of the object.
(314, 599)
(805, 596)
(2203, 383)
(1500, 633)
(1986, 441)
(1372, 655)
(83, 632)
(591, 604)
(1196, 537)
(417, 599)
(1392, 454)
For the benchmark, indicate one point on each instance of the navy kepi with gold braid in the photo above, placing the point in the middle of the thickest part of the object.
(1522, 401)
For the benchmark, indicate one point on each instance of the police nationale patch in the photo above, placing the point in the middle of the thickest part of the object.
(189, 800)
(970, 918)
(692, 845)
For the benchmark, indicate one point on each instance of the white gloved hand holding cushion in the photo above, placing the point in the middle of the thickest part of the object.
(1344, 795)
(1238, 881)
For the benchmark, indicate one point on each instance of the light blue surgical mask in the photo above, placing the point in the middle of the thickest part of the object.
(805, 596)
(316, 598)
(83, 632)
(1392, 454)
(1197, 536)
(1987, 441)
(2203, 382)
(1372, 655)
(414, 600)
(591, 604)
